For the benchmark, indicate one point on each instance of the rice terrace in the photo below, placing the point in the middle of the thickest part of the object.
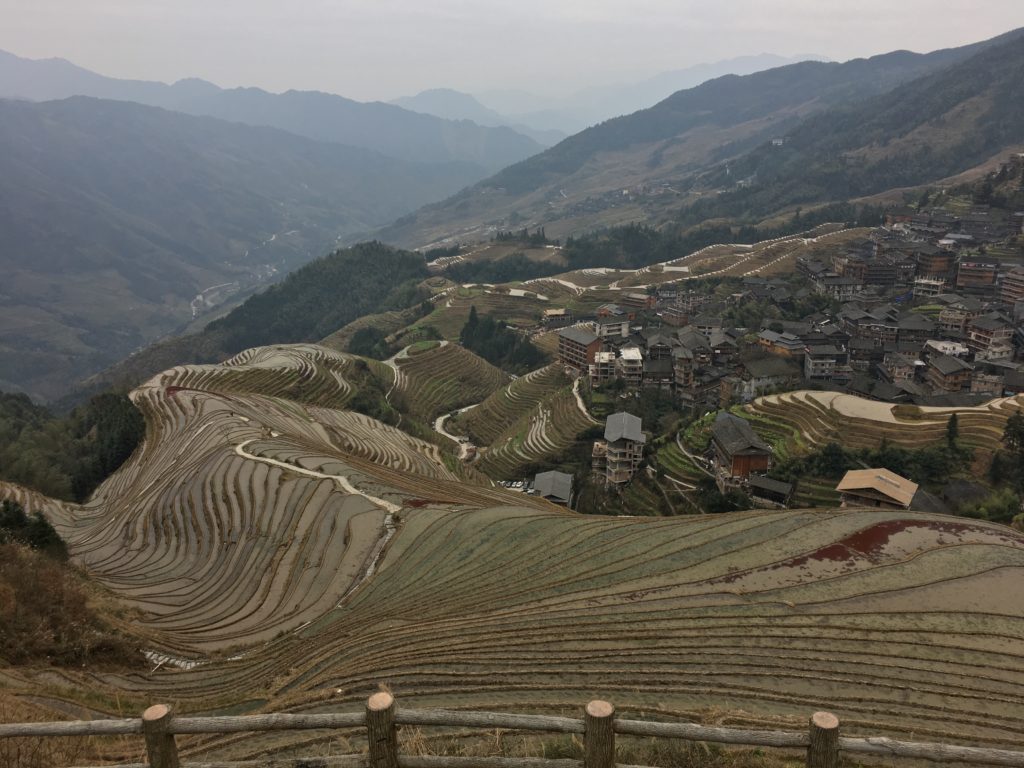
(660, 405)
(281, 554)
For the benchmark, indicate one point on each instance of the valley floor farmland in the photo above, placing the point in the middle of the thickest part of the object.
(249, 560)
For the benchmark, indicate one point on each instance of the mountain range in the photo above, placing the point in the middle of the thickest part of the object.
(384, 128)
(576, 111)
(117, 216)
(646, 165)
(455, 105)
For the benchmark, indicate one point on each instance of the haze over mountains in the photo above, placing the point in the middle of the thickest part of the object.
(645, 166)
(154, 216)
(548, 120)
(385, 128)
(576, 111)
(122, 208)
(116, 215)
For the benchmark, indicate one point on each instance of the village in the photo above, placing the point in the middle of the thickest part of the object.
(926, 310)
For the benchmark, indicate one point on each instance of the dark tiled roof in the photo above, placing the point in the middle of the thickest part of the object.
(579, 335)
(947, 364)
(624, 425)
(734, 434)
(556, 485)
(768, 484)
(658, 367)
(770, 366)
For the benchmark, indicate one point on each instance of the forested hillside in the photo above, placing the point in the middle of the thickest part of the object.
(308, 305)
(66, 457)
(931, 128)
(643, 166)
(115, 216)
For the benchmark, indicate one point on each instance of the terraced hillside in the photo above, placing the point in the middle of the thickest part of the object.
(816, 418)
(533, 418)
(306, 373)
(285, 556)
(442, 379)
(510, 403)
(230, 484)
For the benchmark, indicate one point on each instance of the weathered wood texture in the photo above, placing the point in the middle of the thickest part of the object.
(599, 735)
(382, 716)
(940, 753)
(266, 723)
(161, 751)
(489, 720)
(823, 741)
(693, 732)
(380, 731)
(446, 761)
(73, 728)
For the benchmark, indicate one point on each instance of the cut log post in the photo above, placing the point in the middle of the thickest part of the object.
(599, 735)
(823, 745)
(381, 732)
(161, 751)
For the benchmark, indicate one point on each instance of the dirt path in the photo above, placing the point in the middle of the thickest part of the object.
(465, 446)
(696, 462)
(341, 480)
(579, 402)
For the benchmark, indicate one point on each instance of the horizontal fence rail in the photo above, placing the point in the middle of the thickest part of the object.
(599, 726)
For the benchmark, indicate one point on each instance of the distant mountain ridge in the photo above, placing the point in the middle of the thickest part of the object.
(570, 186)
(933, 127)
(455, 105)
(384, 128)
(594, 105)
(116, 215)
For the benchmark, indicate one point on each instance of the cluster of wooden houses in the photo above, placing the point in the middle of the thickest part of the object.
(882, 337)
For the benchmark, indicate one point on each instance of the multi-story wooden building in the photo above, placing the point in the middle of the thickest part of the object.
(738, 450)
(577, 347)
(619, 455)
(1012, 288)
(949, 374)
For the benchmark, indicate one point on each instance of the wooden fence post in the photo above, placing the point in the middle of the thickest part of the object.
(598, 735)
(823, 747)
(381, 733)
(161, 751)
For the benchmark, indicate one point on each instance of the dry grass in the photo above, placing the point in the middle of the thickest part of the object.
(665, 753)
(53, 752)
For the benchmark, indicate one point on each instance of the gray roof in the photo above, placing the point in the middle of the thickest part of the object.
(624, 425)
(761, 482)
(770, 366)
(658, 367)
(947, 364)
(916, 321)
(579, 335)
(989, 323)
(557, 485)
(735, 434)
(824, 349)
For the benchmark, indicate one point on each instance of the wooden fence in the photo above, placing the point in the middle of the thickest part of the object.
(598, 727)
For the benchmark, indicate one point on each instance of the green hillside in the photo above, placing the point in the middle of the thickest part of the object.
(931, 128)
(309, 304)
(115, 216)
(656, 154)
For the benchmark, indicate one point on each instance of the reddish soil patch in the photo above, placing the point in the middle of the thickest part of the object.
(870, 543)
(417, 503)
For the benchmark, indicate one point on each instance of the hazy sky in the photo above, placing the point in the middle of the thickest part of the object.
(369, 49)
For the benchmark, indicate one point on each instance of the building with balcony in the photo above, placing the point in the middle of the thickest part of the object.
(619, 455)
